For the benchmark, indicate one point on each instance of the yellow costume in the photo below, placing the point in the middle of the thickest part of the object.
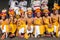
(55, 24)
(5, 27)
(38, 21)
(3, 21)
(12, 28)
(22, 24)
(55, 19)
(11, 12)
(46, 24)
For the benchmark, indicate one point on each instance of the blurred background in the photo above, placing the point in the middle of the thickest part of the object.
(4, 3)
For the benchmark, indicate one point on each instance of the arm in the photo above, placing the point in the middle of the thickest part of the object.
(50, 20)
(59, 20)
(42, 20)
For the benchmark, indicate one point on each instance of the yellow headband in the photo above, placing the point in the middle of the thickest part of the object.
(45, 10)
(21, 11)
(3, 14)
(29, 12)
(56, 7)
(37, 10)
(11, 12)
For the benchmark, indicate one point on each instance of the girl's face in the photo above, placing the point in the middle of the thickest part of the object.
(3, 17)
(56, 11)
(46, 14)
(38, 14)
(29, 15)
(22, 15)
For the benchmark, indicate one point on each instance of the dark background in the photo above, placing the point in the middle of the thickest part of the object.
(4, 4)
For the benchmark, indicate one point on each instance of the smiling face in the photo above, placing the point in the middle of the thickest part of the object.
(38, 14)
(46, 14)
(3, 17)
(55, 12)
(29, 15)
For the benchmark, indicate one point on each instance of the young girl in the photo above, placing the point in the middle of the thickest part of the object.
(11, 24)
(38, 23)
(21, 25)
(47, 23)
(55, 21)
(29, 20)
(5, 28)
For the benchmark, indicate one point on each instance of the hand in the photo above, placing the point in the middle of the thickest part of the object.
(50, 25)
(29, 28)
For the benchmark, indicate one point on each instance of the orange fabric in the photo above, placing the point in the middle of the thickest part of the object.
(3, 14)
(21, 11)
(29, 12)
(56, 7)
(45, 10)
(2, 26)
(3, 23)
(37, 10)
(11, 12)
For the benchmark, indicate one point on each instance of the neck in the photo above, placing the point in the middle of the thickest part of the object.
(29, 17)
(46, 16)
(38, 17)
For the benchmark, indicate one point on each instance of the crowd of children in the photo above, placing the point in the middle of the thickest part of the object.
(24, 25)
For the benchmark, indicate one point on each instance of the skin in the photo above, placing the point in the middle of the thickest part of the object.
(22, 18)
(11, 19)
(7, 22)
(48, 17)
(29, 21)
(38, 16)
(55, 15)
